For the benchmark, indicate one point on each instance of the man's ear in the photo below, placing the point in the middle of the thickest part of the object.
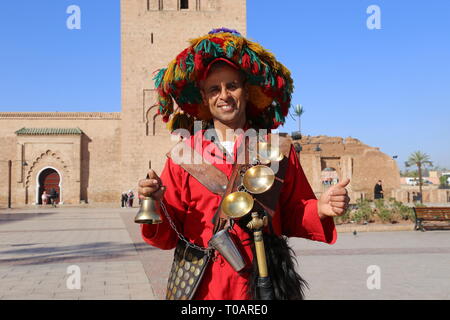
(205, 101)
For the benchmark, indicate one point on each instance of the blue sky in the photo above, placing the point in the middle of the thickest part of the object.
(390, 88)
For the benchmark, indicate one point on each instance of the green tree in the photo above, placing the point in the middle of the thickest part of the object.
(420, 160)
(409, 174)
(443, 181)
(299, 111)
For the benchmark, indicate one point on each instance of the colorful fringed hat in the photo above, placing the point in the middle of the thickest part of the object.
(269, 82)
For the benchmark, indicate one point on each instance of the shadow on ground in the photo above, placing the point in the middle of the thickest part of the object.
(89, 252)
(20, 216)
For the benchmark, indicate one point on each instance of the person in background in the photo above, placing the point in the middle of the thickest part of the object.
(124, 199)
(378, 191)
(53, 196)
(130, 197)
(44, 197)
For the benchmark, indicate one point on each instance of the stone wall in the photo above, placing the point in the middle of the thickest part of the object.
(351, 158)
(431, 194)
(89, 164)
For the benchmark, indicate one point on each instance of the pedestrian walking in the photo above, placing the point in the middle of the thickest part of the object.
(124, 199)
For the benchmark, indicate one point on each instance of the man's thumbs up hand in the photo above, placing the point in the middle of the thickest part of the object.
(334, 202)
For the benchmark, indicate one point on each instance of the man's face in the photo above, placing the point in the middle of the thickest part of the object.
(224, 93)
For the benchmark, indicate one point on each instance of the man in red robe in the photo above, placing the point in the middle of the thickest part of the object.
(226, 95)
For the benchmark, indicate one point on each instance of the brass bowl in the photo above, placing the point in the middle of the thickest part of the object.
(258, 179)
(268, 153)
(237, 204)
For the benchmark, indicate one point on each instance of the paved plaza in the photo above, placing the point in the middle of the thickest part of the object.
(45, 253)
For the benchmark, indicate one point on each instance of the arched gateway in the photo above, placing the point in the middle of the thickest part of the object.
(47, 179)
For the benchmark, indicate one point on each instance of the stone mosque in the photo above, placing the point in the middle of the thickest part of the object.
(92, 157)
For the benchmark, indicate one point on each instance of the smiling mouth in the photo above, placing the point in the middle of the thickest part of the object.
(226, 107)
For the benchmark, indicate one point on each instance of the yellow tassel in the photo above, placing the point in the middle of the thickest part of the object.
(169, 75)
(179, 74)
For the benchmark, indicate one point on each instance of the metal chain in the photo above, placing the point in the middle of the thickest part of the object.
(180, 236)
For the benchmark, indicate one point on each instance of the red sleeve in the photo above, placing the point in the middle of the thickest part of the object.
(162, 235)
(298, 207)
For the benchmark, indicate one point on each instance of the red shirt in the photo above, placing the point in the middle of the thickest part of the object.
(192, 207)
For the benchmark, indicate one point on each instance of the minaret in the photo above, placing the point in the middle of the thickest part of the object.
(153, 32)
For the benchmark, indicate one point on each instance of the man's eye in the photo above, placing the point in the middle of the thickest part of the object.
(232, 86)
(213, 90)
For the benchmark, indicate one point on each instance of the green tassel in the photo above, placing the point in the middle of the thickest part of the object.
(159, 76)
(278, 115)
(230, 50)
(209, 47)
(189, 63)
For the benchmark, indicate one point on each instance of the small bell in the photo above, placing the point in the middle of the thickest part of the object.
(147, 213)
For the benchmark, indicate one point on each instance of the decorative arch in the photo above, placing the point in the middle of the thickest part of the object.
(46, 160)
(150, 120)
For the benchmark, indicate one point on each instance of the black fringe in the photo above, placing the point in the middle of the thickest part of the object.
(281, 263)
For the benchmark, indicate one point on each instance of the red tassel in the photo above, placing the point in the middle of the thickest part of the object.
(255, 68)
(219, 41)
(180, 84)
(181, 58)
(246, 61)
(280, 82)
(190, 108)
(198, 61)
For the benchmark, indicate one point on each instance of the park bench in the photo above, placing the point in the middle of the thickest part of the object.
(439, 217)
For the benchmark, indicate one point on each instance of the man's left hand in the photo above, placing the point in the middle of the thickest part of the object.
(334, 202)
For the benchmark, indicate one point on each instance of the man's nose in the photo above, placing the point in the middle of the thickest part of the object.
(224, 93)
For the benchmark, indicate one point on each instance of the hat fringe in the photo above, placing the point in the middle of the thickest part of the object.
(269, 82)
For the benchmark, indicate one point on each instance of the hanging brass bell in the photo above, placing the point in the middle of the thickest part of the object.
(237, 204)
(268, 152)
(258, 179)
(147, 213)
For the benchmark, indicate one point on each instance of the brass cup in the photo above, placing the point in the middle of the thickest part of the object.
(237, 204)
(258, 179)
(147, 213)
(267, 153)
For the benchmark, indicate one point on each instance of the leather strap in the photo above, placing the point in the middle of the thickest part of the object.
(205, 173)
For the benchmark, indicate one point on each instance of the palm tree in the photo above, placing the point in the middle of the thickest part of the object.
(298, 111)
(420, 160)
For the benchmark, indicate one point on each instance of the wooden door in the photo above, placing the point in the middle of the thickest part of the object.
(49, 179)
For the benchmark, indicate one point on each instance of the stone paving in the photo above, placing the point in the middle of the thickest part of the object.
(38, 246)
(411, 265)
